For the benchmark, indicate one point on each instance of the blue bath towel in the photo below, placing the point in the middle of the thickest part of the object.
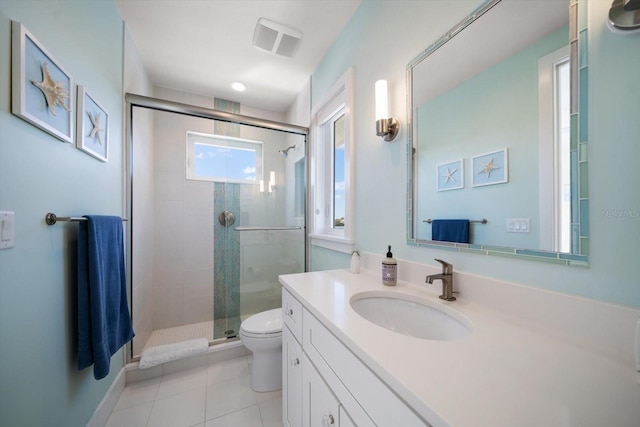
(104, 324)
(450, 230)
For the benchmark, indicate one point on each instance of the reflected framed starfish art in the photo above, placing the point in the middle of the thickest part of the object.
(450, 176)
(491, 168)
(41, 88)
(92, 124)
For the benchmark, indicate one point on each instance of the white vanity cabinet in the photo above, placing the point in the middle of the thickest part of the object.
(320, 408)
(336, 388)
(291, 361)
(291, 379)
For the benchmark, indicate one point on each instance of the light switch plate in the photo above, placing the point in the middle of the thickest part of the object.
(7, 230)
(518, 225)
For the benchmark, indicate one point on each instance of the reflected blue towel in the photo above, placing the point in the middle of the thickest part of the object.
(450, 230)
(104, 324)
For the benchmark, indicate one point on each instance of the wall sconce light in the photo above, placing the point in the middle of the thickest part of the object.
(386, 126)
(624, 17)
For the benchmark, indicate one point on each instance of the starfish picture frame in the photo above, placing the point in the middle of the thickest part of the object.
(92, 123)
(42, 91)
(491, 168)
(450, 175)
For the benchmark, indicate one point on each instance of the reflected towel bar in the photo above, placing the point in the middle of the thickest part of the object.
(52, 218)
(268, 228)
(480, 221)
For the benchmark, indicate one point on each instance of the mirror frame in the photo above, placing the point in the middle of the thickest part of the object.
(579, 255)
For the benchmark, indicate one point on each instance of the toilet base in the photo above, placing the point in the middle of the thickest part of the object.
(266, 371)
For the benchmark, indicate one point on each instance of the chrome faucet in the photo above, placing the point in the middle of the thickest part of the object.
(447, 280)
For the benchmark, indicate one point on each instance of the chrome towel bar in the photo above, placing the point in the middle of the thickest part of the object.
(480, 221)
(52, 218)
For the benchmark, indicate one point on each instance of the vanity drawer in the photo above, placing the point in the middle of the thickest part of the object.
(292, 314)
(356, 386)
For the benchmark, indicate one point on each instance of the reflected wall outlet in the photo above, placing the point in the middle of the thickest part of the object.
(7, 230)
(518, 225)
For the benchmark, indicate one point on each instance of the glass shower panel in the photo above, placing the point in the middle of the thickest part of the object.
(268, 232)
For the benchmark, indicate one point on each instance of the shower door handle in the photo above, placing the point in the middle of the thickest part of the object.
(226, 218)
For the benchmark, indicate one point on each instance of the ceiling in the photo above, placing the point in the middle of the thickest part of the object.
(201, 46)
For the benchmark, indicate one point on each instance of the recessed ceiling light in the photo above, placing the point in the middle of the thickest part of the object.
(240, 87)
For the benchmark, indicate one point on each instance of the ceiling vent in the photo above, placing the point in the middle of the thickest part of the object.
(276, 38)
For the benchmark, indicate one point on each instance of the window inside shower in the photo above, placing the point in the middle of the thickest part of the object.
(225, 159)
(217, 214)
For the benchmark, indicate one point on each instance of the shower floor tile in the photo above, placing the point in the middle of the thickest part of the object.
(193, 331)
(179, 333)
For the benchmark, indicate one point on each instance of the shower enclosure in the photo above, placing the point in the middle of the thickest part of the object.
(217, 203)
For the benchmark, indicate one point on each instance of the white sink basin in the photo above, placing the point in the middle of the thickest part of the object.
(411, 315)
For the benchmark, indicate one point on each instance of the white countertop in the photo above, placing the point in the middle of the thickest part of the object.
(503, 374)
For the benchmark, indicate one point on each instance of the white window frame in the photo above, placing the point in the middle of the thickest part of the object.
(323, 233)
(548, 159)
(221, 140)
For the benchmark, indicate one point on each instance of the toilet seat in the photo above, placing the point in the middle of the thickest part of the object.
(267, 324)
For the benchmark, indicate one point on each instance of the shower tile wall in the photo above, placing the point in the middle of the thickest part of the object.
(183, 237)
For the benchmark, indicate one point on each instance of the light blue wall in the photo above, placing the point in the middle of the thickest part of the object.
(379, 42)
(39, 382)
(496, 109)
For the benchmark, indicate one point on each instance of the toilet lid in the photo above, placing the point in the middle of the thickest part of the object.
(267, 322)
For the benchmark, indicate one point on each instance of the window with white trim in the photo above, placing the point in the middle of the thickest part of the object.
(331, 168)
(223, 159)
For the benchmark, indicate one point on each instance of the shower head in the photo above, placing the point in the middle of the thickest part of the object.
(285, 153)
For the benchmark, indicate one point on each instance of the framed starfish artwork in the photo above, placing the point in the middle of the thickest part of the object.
(92, 123)
(450, 175)
(41, 88)
(491, 168)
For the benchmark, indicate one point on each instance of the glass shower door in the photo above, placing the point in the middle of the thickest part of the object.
(259, 229)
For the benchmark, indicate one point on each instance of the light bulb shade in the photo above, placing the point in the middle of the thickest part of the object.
(382, 109)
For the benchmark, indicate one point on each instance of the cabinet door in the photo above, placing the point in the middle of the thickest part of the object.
(345, 419)
(320, 408)
(292, 380)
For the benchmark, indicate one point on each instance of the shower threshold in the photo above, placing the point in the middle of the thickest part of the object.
(223, 329)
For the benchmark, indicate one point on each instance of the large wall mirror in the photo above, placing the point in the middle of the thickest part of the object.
(498, 134)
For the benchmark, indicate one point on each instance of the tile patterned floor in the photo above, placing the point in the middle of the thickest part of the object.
(217, 395)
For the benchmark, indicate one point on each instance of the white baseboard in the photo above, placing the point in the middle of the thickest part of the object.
(104, 409)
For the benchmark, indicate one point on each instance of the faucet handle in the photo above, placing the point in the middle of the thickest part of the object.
(446, 267)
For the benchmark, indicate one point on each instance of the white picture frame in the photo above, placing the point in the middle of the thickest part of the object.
(450, 176)
(42, 91)
(490, 168)
(92, 123)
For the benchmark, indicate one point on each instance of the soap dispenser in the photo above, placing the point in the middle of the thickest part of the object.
(355, 262)
(389, 269)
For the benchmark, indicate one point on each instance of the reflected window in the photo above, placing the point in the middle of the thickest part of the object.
(562, 142)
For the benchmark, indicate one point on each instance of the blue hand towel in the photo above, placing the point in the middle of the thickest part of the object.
(104, 324)
(450, 230)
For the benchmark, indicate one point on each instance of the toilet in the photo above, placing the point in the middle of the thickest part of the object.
(262, 334)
